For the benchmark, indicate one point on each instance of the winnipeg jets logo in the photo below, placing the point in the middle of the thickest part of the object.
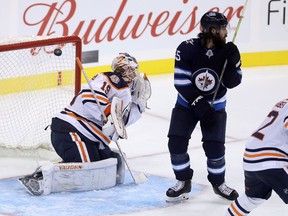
(205, 81)
(209, 53)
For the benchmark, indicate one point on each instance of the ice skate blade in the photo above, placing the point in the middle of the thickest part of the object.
(182, 197)
(224, 198)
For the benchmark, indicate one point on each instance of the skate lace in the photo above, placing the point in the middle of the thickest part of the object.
(179, 185)
(225, 189)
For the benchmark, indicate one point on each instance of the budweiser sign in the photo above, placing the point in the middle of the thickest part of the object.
(57, 17)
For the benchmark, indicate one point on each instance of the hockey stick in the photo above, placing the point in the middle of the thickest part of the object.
(142, 177)
(137, 179)
(89, 84)
(225, 63)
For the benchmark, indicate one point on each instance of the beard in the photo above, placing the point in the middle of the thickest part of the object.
(218, 41)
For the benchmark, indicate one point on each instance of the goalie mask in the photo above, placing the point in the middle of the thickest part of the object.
(126, 65)
(205, 81)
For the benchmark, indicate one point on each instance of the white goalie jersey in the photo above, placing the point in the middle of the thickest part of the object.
(267, 148)
(83, 112)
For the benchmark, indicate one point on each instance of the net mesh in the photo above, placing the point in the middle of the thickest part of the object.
(35, 84)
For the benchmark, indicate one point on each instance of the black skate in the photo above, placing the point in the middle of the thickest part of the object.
(179, 192)
(33, 183)
(226, 192)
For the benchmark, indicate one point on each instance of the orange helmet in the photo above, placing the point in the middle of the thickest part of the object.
(126, 65)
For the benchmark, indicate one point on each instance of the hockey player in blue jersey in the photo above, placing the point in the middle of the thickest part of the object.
(199, 63)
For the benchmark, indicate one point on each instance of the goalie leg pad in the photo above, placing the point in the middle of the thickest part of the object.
(84, 176)
(120, 166)
(63, 177)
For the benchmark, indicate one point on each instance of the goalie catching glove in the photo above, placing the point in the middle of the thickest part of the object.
(140, 91)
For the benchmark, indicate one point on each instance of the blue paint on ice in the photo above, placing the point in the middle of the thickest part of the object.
(125, 198)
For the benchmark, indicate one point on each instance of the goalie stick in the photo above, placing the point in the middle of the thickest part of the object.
(225, 63)
(142, 177)
(117, 120)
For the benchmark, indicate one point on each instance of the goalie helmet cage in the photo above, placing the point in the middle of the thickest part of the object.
(36, 82)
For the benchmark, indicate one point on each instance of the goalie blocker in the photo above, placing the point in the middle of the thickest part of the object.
(63, 177)
(115, 126)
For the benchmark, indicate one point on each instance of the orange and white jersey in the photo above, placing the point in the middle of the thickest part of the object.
(83, 112)
(267, 148)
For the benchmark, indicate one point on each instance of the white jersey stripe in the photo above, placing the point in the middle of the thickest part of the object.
(181, 167)
(216, 171)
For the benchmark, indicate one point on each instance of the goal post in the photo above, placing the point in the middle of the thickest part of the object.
(38, 77)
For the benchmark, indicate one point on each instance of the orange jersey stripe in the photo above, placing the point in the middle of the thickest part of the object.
(235, 210)
(80, 144)
(87, 96)
(107, 110)
(90, 95)
(264, 155)
(99, 133)
(104, 99)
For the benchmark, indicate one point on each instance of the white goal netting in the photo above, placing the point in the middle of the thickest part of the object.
(35, 84)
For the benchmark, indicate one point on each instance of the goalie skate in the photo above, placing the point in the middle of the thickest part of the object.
(179, 192)
(33, 183)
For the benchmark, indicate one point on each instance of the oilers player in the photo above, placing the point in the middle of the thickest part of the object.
(265, 162)
(80, 136)
(198, 66)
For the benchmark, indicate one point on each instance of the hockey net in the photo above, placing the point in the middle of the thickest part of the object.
(35, 84)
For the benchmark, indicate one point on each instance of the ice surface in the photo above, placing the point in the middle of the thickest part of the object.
(146, 150)
(125, 198)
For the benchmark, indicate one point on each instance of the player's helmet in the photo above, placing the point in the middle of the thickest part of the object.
(213, 20)
(126, 65)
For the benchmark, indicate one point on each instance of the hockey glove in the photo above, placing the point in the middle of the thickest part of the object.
(232, 55)
(140, 91)
(233, 75)
(109, 130)
(202, 109)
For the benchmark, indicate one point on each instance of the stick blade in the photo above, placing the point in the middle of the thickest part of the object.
(141, 178)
